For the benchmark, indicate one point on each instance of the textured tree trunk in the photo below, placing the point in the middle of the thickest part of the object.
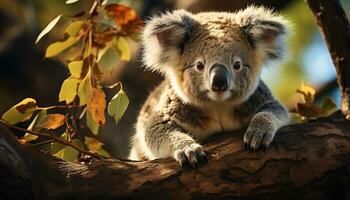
(306, 161)
(334, 25)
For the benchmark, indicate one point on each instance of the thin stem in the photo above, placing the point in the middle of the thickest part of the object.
(44, 142)
(60, 107)
(57, 139)
(114, 85)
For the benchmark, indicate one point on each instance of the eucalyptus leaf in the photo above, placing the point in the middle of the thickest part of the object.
(33, 126)
(71, 1)
(109, 59)
(58, 47)
(21, 111)
(69, 90)
(91, 123)
(73, 28)
(118, 105)
(123, 47)
(48, 28)
(75, 68)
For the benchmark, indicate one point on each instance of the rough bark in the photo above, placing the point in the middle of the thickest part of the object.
(305, 161)
(334, 25)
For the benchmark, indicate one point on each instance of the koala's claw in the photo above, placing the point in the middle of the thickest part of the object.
(255, 139)
(192, 155)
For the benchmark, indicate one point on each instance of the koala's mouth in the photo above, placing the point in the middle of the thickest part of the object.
(220, 96)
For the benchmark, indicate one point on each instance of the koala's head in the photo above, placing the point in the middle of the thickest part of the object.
(213, 56)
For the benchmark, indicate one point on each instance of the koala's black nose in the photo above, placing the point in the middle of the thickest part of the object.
(219, 78)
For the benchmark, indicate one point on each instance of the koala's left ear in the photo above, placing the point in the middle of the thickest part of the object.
(164, 37)
(265, 30)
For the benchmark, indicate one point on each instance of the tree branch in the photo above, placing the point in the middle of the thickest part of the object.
(57, 139)
(310, 160)
(334, 26)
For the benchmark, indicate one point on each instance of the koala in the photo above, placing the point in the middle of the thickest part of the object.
(211, 63)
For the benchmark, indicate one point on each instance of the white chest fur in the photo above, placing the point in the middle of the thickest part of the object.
(219, 120)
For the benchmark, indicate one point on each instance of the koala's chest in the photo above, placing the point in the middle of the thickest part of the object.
(211, 121)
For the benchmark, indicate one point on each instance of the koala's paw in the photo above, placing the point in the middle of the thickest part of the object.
(255, 138)
(192, 154)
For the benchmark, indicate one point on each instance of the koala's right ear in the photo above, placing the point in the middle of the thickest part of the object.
(164, 37)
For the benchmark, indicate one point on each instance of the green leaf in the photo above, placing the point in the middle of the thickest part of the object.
(21, 111)
(48, 28)
(56, 146)
(69, 90)
(74, 28)
(75, 68)
(123, 47)
(329, 106)
(109, 59)
(118, 105)
(69, 153)
(58, 47)
(34, 126)
(103, 153)
(84, 89)
(71, 1)
(93, 126)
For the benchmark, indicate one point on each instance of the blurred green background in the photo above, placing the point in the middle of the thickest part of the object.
(25, 73)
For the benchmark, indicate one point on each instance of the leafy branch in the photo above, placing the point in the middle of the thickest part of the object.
(92, 43)
(53, 138)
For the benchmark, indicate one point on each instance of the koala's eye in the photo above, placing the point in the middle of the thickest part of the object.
(237, 65)
(199, 66)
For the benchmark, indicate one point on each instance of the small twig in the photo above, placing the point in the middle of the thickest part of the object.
(60, 107)
(43, 142)
(114, 85)
(57, 139)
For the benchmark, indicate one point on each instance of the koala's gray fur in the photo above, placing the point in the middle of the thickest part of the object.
(184, 109)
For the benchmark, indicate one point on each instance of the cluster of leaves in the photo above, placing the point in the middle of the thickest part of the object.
(307, 109)
(98, 39)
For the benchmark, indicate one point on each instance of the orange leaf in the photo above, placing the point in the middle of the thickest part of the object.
(96, 104)
(52, 121)
(125, 17)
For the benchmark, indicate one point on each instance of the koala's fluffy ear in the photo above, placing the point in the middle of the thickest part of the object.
(266, 31)
(164, 37)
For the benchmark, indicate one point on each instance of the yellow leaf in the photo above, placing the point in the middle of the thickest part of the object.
(93, 126)
(52, 121)
(96, 104)
(84, 89)
(69, 90)
(21, 111)
(75, 68)
(74, 28)
(118, 105)
(34, 126)
(58, 47)
(93, 144)
(48, 28)
(308, 93)
(123, 47)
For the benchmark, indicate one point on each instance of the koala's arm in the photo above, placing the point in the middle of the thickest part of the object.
(166, 138)
(269, 116)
